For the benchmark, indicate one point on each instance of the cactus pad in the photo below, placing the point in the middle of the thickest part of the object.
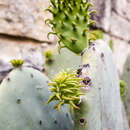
(23, 96)
(71, 22)
(101, 106)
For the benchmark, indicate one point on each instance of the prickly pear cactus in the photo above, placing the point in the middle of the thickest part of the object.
(23, 96)
(100, 107)
(71, 22)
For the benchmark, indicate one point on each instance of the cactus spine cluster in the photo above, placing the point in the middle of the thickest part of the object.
(71, 22)
(66, 89)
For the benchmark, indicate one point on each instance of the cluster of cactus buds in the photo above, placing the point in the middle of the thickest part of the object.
(71, 22)
(49, 55)
(66, 89)
(17, 62)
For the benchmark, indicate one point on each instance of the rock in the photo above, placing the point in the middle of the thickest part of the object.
(103, 8)
(5, 68)
(23, 33)
(120, 27)
(114, 17)
(121, 7)
(29, 51)
(15, 49)
(121, 50)
(25, 18)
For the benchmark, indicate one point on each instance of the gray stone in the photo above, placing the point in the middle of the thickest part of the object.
(103, 8)
(114, 17)
(120, 27)
(121, 50)
(5, 68)
(25, 18)
(29, 51)
(122, 8)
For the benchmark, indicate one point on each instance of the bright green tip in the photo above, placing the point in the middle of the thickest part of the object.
(48, 55)
(65, 89)
(122, 88)
(17, 62)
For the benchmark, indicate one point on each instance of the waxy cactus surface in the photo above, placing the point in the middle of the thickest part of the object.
(101, 107)
(23, 96)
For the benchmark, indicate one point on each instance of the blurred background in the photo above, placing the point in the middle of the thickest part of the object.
(23, 34)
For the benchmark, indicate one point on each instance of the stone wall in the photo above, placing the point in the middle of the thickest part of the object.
(114, 19)
(23, 33)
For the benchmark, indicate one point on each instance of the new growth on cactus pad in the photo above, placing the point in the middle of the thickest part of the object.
(66, 89)
(49, 55)
(17, 62)
(71, 22)
(122, 88)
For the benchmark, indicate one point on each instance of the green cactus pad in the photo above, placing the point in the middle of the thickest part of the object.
(23, 96)
(71, 22)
